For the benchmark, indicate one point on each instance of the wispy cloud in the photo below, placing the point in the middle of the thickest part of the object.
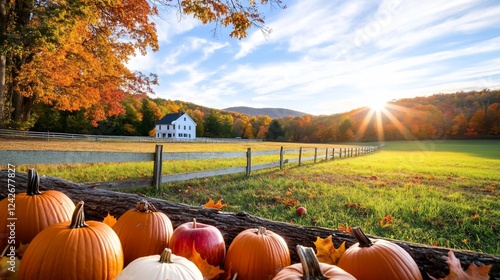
(327, 56)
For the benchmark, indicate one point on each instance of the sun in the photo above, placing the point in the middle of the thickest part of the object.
(377, 105)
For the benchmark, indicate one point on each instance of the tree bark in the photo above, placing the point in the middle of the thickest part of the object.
(98, 203)
(3, 69)
(3, 60)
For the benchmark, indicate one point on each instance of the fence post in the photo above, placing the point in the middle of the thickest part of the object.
(157, 166)
(281, 158)
(249, 161)
(315, 154)
(326, 154)
(333, 153)
(300, 156)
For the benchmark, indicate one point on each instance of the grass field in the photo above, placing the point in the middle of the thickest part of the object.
(442, 193)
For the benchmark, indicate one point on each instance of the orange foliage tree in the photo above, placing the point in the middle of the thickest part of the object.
(72, 54)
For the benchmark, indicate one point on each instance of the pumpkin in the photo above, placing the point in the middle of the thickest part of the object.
(143, 231)
(161, 267)
(378, 259)
(257, 254)
(32, 211)
(310, 268)
(73, 250)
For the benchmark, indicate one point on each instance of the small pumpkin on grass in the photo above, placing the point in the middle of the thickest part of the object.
(310, 268)
(73, 250)
(33, 211)
(257, 254)
(143, 231)
(378, 259)
(161, 267)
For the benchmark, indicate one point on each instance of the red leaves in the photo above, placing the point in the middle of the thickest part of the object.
(385, 221)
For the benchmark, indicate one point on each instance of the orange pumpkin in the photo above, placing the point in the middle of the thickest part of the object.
(257, 254)
(310, 268)
(73, 250)
(378, 259)
(143, 231)
(33, 211)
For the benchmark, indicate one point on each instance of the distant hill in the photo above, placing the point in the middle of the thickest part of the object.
(274, 113)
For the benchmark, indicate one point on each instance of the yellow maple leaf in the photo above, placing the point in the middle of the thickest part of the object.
(211, 204)
(109, 220)
(474, 272)
(326, 252)
(208, 271)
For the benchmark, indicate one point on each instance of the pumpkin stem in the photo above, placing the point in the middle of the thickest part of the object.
(78, 218)
(33, 187)
(166, 255)
(144, 206)
(194, 222)
(360, 236)
(310, 264)
(261, 230)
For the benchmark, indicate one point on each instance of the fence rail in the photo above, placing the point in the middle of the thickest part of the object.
(7, 133)
(17, 157)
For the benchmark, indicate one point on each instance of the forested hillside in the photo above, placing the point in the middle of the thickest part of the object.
(461, 115)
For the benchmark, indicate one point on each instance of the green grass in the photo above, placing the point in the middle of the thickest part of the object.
(443, 194)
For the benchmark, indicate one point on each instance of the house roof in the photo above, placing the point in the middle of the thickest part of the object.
(169, 118)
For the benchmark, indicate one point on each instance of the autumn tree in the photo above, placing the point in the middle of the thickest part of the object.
(459, 125)
(248, 133)
(492, 119)
(477, 121)
(72, 55)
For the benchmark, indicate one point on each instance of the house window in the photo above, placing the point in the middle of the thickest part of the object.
(184, 118)
(164, 135)
(189, 127)
(179, 127)
(169, 135)
(168, 126)
(184, 127)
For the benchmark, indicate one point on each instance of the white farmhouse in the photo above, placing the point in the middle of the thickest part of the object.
(176, 126)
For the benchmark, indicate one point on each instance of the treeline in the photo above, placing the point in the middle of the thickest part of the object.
(441, 116)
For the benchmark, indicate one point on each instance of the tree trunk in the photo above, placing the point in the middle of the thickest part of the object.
(3, 66)
(98, 203)
(3, 61)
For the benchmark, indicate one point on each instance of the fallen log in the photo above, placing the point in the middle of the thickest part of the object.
(99, 202)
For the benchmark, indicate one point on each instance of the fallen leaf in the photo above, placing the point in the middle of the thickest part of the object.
(211, 204)
(208, 271)
(109, 220)
(474, 272)
(21, 249)
(9, 266)
(326, 252)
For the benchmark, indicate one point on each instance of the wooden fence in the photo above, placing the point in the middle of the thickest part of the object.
(7, 133)
(17, 157)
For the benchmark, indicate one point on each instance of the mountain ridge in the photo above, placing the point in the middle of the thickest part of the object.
(274, 113)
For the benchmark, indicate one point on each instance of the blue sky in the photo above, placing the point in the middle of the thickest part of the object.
(331, 56)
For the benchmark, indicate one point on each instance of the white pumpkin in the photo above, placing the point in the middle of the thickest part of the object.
(161, 267)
